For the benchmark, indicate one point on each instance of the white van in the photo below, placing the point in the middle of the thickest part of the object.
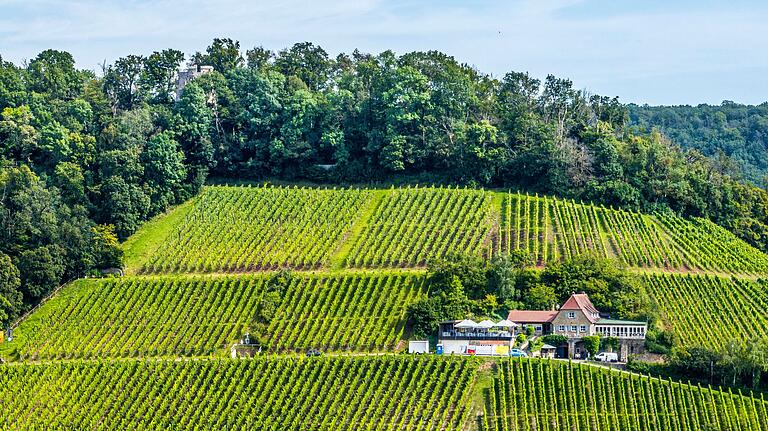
(607, 357)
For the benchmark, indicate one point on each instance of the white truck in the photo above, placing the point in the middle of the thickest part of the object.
(607, 357)
(418, 347)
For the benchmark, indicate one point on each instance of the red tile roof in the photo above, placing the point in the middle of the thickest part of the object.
(528, 316)
(580, 301)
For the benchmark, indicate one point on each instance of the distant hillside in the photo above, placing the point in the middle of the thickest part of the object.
(737, 131)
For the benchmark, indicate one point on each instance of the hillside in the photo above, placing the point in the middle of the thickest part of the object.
(735, 130)
(547, 395)
(383, 392)
(152, 348)
(199, 316)
(243, 229)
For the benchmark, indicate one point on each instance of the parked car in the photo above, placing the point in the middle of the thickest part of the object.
(314, 352)
(607, 357)
(517, 353)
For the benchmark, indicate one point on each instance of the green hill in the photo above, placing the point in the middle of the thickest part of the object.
(210, 275)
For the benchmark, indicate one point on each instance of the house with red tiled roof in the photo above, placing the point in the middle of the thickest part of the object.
(578, 318)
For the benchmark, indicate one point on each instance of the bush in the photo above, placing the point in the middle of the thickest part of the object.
(520, 339)
(530, 330)
(609, 343)
(592, 344)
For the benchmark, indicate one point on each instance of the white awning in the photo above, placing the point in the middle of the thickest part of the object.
(466, 324)
(504, 324)
(485, 324)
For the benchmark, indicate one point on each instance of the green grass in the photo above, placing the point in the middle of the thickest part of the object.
(152, 234)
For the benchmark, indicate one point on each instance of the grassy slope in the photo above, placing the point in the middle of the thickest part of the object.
(142, 244)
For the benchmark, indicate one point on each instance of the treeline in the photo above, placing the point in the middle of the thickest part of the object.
(111, 150)
(735, 136)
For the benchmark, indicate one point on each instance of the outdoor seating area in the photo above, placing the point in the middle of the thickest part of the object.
(484, 330)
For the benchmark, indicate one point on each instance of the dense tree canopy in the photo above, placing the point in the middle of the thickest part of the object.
(82, 151)
(734, 135)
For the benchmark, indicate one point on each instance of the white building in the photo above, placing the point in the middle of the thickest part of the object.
(466, 337)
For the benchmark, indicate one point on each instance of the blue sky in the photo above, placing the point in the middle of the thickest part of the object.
(644, 51)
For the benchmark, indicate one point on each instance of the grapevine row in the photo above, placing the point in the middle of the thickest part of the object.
(413, 226)
(547, 395)
(707, 310)
(552, 230)
(197, 315)
(352, 393)
(235, 229)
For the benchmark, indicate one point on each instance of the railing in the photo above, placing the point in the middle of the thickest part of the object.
(620, 335)
(455, 335)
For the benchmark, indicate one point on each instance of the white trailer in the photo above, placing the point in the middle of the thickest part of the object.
(418, 346)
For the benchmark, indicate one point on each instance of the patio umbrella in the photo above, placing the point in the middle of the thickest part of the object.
(466, 324)
(485, 324)
(505, 324)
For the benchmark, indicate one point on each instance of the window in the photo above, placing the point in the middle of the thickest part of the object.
(573, 328)
(538, 328)
(583, 328)
(571, 314)
(561, 328)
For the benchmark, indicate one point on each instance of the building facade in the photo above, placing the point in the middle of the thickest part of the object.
(578, 318)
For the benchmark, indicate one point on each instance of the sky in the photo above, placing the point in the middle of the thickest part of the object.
(666, 52)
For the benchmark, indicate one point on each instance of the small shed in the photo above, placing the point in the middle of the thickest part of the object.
(548, 351)
(421, 346)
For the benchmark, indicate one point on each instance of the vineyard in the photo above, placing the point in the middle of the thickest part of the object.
(412, 226)
(553, 229)
(208, 277)
(546, 395)
(201, 315)
(240, 229)
(707, 310)
(382, 393)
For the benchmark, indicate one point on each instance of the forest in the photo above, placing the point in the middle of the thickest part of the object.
(735, 136)
(86, 157)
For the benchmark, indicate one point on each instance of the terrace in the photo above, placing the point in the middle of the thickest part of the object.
(470, 330)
